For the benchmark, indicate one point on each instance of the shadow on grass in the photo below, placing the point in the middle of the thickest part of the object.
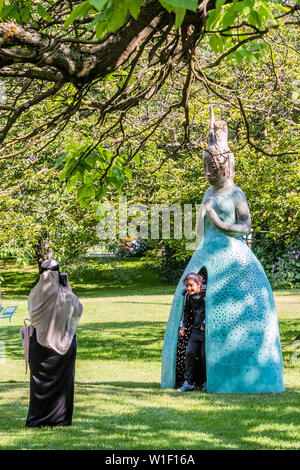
(128, 277)
(139, 302)
(18, 286)
(123, 415)
(92, 292)
(122, 291)
(129, 341)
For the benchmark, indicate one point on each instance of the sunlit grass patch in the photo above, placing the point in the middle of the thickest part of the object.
(118, 400)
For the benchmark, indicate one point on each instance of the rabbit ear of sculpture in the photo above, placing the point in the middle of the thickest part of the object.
(218, 131)
(211, 136)
(218, 149)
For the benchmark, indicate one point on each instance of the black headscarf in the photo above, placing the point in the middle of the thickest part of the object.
(52, 266)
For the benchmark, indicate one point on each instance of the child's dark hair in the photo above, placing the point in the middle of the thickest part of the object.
(196, 277)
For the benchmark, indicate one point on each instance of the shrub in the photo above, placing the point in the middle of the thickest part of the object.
(163, 262)
(280, 261)
(285, 271)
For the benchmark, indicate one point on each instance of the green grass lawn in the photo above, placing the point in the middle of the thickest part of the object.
(118, 400)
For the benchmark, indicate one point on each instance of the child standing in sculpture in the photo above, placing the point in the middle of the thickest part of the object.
(194, 309)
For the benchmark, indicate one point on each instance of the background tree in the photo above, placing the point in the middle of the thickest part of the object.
(130, 118)
(39, 218)
(62, 53)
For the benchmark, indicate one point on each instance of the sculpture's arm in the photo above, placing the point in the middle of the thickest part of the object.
(243, 220)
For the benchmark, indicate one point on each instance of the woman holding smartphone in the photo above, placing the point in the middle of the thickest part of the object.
(54, 311)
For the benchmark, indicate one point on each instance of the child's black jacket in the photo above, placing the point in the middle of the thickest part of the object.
(194, 307)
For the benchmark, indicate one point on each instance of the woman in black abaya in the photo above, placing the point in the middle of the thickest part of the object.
(54, 312)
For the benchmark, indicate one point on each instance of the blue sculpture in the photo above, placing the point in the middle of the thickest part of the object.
(243, 349)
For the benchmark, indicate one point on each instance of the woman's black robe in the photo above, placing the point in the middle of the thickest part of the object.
(51, 385)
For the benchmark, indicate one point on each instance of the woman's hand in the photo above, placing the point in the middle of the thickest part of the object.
(68, 286)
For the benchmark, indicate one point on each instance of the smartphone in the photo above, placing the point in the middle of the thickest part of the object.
(64, 278)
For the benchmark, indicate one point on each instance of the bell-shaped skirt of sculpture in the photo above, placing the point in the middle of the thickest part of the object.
(243, 349)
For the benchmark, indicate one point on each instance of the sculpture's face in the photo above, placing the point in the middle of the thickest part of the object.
(215, 174)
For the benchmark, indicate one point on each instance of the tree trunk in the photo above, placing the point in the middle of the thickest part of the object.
(42, 251)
